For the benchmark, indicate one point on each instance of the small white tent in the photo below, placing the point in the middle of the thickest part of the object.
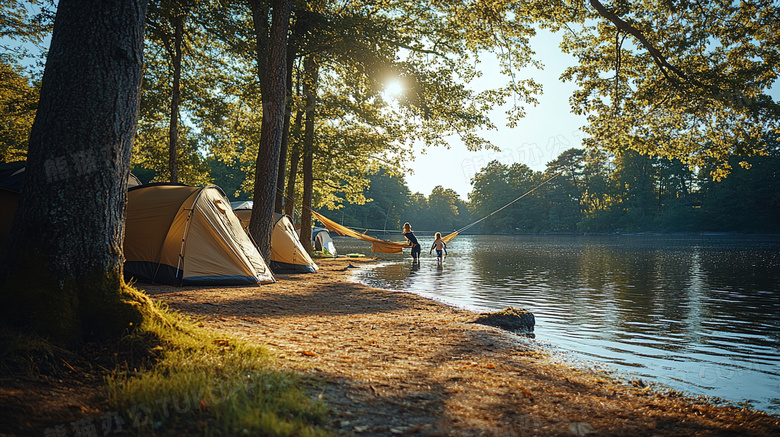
(322, 240)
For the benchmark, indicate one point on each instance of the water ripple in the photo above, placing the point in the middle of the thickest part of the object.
(697, 314)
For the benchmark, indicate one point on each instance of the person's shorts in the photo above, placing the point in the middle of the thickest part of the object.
(439, 252)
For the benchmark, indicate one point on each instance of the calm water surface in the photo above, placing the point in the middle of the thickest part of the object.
(696, 314)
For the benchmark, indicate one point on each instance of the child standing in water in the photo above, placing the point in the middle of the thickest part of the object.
(416, 249)
(440, 246)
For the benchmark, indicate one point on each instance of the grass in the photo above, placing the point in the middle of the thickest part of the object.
(209, 384)
(169, 377)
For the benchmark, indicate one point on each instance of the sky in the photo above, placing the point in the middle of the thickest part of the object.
(547, 130)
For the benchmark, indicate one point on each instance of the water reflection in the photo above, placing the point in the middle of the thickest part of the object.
(697, 314)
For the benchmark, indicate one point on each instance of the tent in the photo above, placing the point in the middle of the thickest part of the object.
(8, 202)
(11, 183)
(133, 181)
(11, 174)
(322, 240)
(287, 252)
(182, 235)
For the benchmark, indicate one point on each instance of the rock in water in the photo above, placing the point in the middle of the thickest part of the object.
(510, 319)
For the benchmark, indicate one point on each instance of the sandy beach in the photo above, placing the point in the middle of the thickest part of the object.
(393, 363)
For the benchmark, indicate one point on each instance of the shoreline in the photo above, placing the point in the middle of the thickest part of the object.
(397, 363)
(562, 355)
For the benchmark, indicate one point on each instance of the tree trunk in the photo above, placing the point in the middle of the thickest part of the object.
(311, 70)
(295, 158)
(177, 20)
(272, 74)
(278, 207)
(308, 189)
(62, 276)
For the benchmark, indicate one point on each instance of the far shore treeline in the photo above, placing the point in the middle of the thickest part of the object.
(592, 193)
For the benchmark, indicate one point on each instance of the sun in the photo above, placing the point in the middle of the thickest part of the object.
(393, 89)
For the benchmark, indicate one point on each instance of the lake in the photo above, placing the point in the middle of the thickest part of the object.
(697, 314)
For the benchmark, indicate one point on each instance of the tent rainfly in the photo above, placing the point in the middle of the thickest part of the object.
(182, 235)
(287, 252)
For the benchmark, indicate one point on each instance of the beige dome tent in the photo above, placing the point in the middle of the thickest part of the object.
(182, 235)
(133, 181)
(287, 252)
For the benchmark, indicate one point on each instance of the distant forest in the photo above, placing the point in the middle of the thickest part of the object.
(592, 193)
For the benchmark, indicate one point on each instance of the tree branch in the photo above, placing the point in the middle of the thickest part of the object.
(658, 57)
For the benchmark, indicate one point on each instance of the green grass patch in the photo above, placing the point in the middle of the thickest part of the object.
(199, 382)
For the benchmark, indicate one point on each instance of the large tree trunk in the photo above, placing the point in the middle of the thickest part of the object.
(62, 276)
(272, 74)
(311, 70)
(177, 20)
(278, 207)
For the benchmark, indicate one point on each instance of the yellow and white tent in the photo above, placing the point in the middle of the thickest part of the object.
(182, 235)
(287, 252)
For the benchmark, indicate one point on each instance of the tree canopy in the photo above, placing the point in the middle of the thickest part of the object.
(686, 82)
(678, 80)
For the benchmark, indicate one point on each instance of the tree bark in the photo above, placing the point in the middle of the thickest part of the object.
(279, 206)
(272, 74)
(62, 276)
(295, 157)
(311, 71)
(177, 20)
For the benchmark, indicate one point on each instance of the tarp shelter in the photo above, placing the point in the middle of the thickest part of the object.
(182, 235)
(287, 252)
(377, 245)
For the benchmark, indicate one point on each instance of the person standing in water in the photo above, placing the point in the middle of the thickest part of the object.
(440, 246)
(416, 249)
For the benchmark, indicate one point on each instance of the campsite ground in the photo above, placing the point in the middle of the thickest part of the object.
(391, 363)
